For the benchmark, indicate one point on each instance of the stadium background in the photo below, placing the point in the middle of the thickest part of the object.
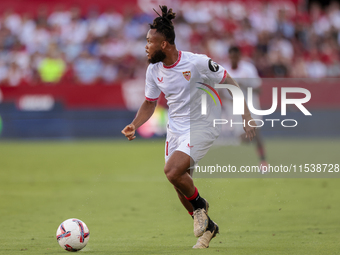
(76, 69)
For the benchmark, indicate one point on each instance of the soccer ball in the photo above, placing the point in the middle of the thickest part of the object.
(73, 235)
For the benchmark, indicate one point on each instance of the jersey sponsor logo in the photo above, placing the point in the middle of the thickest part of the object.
(160, 80)
(187, 75)
(213, 66)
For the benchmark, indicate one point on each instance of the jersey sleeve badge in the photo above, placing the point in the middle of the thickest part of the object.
(213, 66)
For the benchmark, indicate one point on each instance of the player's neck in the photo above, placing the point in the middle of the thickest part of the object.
(234, 66)
(171, 58)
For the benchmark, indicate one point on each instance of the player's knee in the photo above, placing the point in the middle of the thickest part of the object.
(171, 174)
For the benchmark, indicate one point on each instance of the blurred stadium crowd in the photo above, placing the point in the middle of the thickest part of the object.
(108, 47)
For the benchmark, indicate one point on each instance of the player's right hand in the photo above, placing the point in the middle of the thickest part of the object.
(129, 132)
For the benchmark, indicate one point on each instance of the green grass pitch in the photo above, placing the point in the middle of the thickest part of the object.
(119, 190)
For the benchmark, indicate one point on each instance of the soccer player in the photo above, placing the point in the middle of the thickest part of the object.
(245, 74)
(190, 134)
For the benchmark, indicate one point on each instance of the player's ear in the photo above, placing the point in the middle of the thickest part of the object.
(164, 44)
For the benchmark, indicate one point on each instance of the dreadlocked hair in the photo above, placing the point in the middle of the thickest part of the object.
(163, 24)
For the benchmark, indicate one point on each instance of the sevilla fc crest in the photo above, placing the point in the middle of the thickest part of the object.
(187, 75)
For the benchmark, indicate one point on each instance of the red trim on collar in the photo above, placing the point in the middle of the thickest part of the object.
(175, 64)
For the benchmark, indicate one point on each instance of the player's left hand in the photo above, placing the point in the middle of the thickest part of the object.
(250, 130)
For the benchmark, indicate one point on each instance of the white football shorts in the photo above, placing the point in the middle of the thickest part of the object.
(196, 147)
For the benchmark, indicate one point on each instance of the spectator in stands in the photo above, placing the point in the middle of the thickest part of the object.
(264, 19)
(279, 67)
(97, 26)
(60, 17)
(301, 33)
(76, 31)
(27, 29)
(333, 12)
(14, 75)
(284, 26)
(282, 46)
(87, 68)
(112, 18)
(279, 41)
(12, 21)
(3, 72)
(109, 71)
(315, 68)
(246, 34)
(52, 67)
(299, 69)
(333, 69)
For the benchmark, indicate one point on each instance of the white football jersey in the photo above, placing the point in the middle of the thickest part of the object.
(183, 84)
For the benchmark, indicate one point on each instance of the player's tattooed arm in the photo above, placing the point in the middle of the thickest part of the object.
(144, 113)
(250, 131)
